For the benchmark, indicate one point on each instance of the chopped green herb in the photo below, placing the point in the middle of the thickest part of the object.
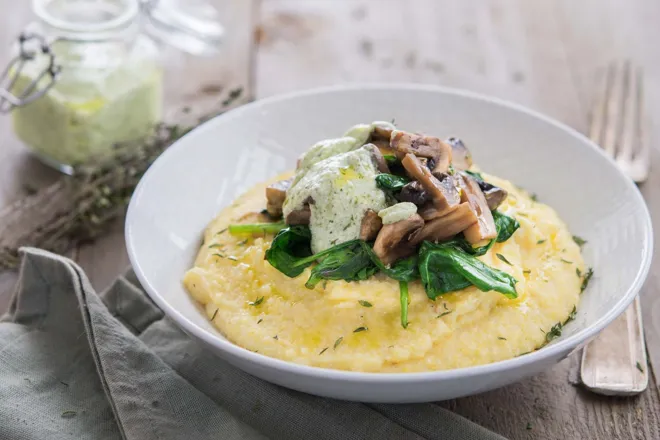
(68, 414)
(566, 261)
(232, 258)
(404, 299)
(522, 214)
(337, 342)
(218, 255)
(578, 272)
(534, 197)
(571, 316)
(242, 242)
(364, 303)
(503, 258)
(360, 329)
(586, 279)
(639, 367)
(444, 314)
(257, 301)
(554, 332)
(579, 241)
(541, 241)
(259, 322)
(527, 271)
(216, 245)
(214, 313)
(221, 231)
(445, 306)
(323, 351)
(529, 426)
(275, 337)
(501, 338)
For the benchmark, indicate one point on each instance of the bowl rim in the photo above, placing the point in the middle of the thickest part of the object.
(543, 354)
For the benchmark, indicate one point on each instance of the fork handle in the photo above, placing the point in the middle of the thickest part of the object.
(614, 363)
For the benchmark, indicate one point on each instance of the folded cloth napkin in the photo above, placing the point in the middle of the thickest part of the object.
(78, 365)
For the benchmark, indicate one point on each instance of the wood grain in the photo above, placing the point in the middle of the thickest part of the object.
(543, 54)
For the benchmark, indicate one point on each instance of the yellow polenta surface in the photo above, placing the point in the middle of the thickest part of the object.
(459, 329)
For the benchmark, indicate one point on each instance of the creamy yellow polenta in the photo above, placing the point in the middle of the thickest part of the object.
(318, 327)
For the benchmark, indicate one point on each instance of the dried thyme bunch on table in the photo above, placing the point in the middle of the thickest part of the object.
(79, 208)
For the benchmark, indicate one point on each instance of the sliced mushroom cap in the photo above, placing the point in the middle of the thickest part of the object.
(461, 157)
(484, 228)
(381, 132)
(443, 193)
(370, 226)
(275, 195)
(299, 216)
(445, 227)
(378, 158)
(494, 194)
(394, 240)
(422, 146)
(429, 211)
(413, 192)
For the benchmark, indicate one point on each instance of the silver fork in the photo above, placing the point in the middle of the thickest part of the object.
(614, 363)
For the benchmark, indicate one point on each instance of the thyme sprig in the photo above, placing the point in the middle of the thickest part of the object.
(80, 208)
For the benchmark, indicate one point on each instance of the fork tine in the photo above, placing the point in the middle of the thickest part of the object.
(641, 161)
(614, 107)
(599, 111)
(629, 134)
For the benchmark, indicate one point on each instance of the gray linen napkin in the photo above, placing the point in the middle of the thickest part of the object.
(76, 365)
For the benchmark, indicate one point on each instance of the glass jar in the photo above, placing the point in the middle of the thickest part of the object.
(90, 79)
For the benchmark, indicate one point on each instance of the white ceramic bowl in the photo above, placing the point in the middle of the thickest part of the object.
(206, 169)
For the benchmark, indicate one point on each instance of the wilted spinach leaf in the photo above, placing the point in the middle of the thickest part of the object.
(475, 175)
(390, 182)
(505, 227)
(445, 268)
(403, 270)
(347, 262)
(404, 298)
(289, 247)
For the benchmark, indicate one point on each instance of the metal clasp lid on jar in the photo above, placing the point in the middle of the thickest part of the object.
(192, 26)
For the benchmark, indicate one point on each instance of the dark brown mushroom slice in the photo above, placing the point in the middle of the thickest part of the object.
(494, 194)
(413, 192)
(275, 195)
(448, 225)
(394, 240)
(484, 228)
(299, 216)
(461, 157)
(370, 226)
(443, 193)
(379, 160)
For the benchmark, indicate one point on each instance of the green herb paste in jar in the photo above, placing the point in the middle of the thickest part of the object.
(103, 96)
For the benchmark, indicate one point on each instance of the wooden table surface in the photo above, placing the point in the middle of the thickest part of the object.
(544, 54)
